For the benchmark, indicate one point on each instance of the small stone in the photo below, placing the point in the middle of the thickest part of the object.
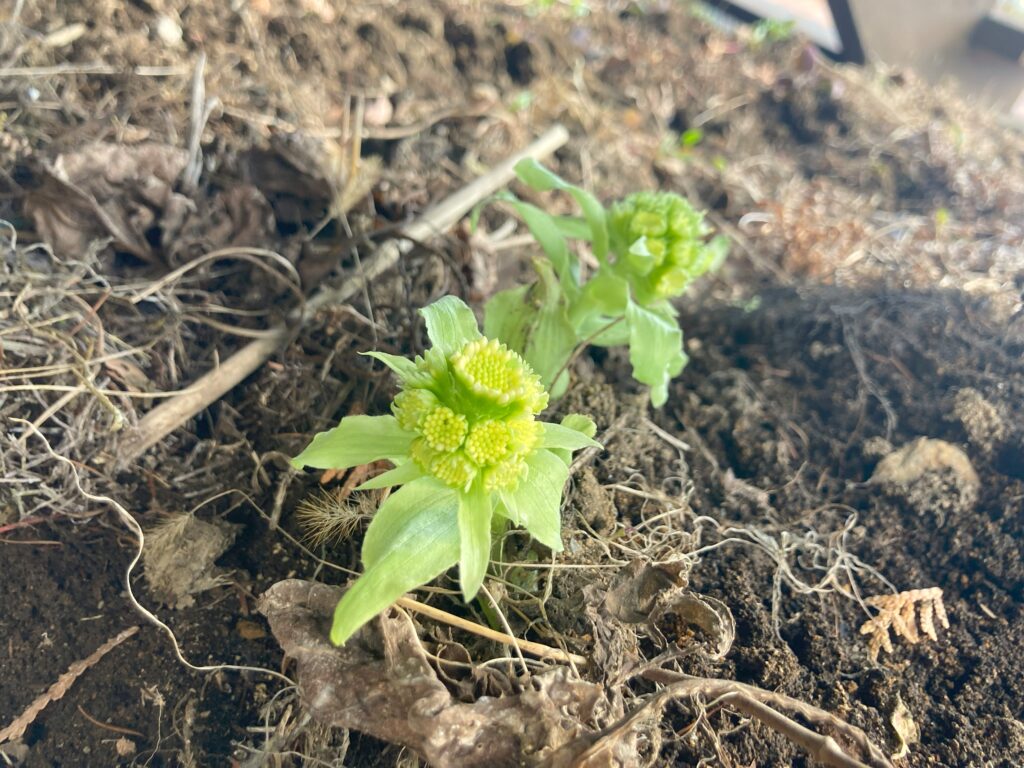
(168, 31)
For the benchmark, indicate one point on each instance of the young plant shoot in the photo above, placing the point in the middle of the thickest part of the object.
(467, 448)
(649, 247)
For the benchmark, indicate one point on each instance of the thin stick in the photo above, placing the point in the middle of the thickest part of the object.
(526, 646)
(167, 417)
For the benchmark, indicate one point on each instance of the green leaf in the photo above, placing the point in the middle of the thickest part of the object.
(475, 509)
(655, 349)
(580, 423)
(546, 232)
(535, 504)
(356, 440)
(566, 437)
(574, 228)
(604, 294)
(691, 137)
(450, 324)
(404, 473)
(533, 321)
(403, 367)
(508, 316)
(419, 541)
(400, 510)
(552, 337)
(531, 172)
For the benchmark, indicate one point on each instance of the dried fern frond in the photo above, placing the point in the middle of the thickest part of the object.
(905, 614)
(328, 517)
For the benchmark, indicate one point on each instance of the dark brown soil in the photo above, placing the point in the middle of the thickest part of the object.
(807, 365)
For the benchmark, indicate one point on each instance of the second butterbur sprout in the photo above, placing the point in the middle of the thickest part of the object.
(649, 247)
(467, 448)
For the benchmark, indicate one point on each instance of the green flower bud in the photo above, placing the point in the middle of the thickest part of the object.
(658, 239)
(493, 372)
(473, 414)
(411, 405)
(443, 429)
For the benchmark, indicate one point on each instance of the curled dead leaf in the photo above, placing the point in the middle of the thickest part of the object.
(684, 617)
(109, 190)
(381, 682)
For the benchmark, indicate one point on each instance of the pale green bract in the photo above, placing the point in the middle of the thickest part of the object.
(467, 448)
(649, 247)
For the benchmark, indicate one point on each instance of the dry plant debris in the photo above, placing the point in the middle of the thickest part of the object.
(381, 682)
(327, 517)
(903, 614)
(179, 557)
(56, 691)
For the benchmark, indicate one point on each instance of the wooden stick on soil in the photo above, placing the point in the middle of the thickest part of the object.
(526, 646)
(173, 413)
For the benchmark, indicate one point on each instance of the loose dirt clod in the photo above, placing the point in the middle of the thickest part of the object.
(921, 461)
(179, 556)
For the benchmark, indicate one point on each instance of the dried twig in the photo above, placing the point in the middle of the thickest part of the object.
(525, 646)
(898, 613)
(56, 691)
(165, 418)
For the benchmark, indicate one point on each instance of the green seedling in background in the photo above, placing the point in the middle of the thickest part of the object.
(769, 31)
(468, 451)
(648, 247)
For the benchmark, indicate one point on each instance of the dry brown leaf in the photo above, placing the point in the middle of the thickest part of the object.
(381, 683)
(109, 190)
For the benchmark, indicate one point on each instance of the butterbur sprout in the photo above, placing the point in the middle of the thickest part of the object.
(467, 447)
(658, 238)
(647, 247)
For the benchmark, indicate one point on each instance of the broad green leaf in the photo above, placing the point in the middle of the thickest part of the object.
(533, 321)
(508, 316)
(404, 473)
(402, 366)
(356, 440)
(535, 504)
(475, 539)
(574, 422)
(531, 172)
(450, 324)
(566, 437)
(655, 349)
(551, 345)
(400, 510)
(546, 232)
(574, 228)
(604, 294)
(552, 338)
(422, 542)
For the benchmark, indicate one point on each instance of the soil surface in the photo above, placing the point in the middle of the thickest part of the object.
(872, 297)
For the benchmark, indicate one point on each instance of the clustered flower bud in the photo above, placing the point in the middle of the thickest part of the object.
(658, 240)
(474, 415)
